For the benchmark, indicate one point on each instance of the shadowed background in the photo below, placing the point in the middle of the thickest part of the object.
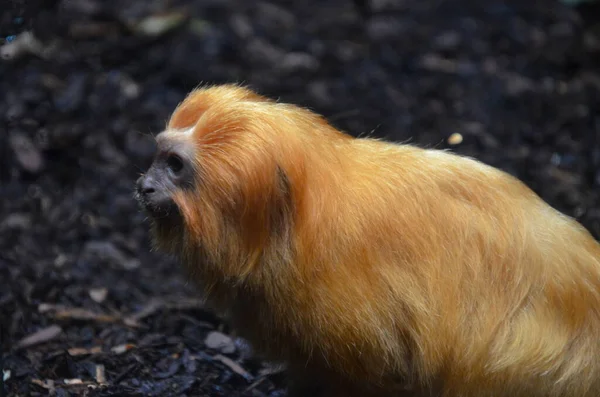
(86, 308)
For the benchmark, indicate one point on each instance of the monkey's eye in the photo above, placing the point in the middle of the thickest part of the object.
(174, 163)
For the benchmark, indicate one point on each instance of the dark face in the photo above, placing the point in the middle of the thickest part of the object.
(170, 171)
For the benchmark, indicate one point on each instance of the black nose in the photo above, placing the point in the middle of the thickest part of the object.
(146, 185)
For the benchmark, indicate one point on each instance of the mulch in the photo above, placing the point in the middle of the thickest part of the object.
(87, 309)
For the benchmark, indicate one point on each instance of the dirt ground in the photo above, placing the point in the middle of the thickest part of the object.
(87, 309)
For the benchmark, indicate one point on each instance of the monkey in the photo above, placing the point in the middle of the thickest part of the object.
(370, 267)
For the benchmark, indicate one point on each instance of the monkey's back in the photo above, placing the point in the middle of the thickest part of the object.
(443, 269)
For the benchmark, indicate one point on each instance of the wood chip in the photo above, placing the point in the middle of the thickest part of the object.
(47, 384)
(80, 314)
(73, 382)
(120, 349)
(81, 351)
(26, 153)
(157, 25)
(41, 336)
(47, 307)
(235, 367)
(100, 374)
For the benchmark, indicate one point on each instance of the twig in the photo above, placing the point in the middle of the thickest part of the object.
(254, 384)
(83, 314)
(235, 367)
(80, 314)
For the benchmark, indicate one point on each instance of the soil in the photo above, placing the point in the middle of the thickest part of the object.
(87, 309)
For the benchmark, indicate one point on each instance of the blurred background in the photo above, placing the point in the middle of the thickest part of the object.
(86, 308)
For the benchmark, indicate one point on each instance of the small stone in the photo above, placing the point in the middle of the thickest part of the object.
(28, 155)
(219, 341)
(455, 139)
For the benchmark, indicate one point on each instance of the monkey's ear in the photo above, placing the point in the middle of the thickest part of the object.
(268, 215)
(282, 211)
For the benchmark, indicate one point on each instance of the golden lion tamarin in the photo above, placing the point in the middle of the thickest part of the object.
(373, 268)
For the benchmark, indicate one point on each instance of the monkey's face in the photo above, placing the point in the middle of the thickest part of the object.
(217, 188)
(170, 172)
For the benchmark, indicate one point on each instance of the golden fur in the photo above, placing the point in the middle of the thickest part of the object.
(373, 267)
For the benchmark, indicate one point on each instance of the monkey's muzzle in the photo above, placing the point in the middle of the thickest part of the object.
(154, 197)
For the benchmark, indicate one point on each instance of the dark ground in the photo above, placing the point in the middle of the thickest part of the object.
(521, 83)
